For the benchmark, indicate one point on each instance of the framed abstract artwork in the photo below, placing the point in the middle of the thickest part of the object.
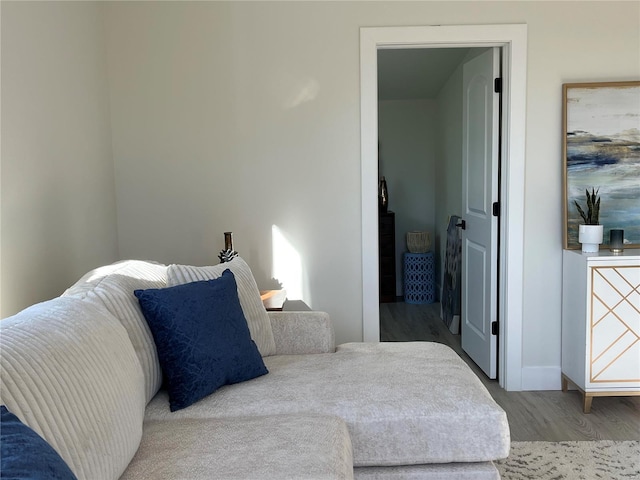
(601, 151)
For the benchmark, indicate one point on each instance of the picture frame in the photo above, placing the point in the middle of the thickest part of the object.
(601, 151)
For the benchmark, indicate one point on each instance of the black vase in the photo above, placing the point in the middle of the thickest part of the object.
(383, 196)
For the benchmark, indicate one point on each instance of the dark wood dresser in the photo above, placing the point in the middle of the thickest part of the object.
(387, 256)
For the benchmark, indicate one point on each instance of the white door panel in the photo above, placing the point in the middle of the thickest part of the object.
(480, 152)
(476, 262)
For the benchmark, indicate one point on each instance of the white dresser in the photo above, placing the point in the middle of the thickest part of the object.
(601, 323)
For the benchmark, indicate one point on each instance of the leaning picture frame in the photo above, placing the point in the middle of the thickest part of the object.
(601, 151)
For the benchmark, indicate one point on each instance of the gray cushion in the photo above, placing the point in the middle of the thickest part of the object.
(404, 403)
(296, 333)
(295, 447)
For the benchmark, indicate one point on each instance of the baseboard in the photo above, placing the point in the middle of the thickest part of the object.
(541, 378)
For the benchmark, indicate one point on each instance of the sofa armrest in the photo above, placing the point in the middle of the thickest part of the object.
(298, 333)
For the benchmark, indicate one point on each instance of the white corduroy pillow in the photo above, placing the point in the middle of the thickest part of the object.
(112, 286)
(248, 293)
(69, 371)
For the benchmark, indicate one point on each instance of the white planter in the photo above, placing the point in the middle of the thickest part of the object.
(590, 236)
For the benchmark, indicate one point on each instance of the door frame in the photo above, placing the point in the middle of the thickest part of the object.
(512, 39)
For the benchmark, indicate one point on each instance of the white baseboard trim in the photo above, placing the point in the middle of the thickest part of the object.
(541, 378)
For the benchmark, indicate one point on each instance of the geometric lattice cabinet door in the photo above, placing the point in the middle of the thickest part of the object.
(614, 324)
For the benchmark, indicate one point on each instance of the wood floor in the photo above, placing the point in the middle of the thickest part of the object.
(538, 415)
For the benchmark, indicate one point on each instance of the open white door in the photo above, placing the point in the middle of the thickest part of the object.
(480, 161)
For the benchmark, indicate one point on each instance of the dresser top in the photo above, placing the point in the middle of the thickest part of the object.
(631, 253)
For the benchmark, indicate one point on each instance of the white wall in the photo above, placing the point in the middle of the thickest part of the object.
(407, 157)
(58, 203)
(241, 116)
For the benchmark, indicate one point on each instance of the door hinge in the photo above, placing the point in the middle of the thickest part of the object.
(496, 209)
(497, 85)
(494, 328)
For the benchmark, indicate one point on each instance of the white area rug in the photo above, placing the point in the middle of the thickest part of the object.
(572, 461)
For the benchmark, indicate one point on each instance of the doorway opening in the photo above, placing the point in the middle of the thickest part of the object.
(444, 171)
(512, 40)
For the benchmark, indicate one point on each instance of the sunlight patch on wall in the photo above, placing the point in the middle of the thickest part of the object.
(302, 93)
(287, 264)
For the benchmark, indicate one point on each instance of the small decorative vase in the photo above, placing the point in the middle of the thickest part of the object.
(383, 195)
(590, 236)
(418, 242)
(616, 240)
(228, 253)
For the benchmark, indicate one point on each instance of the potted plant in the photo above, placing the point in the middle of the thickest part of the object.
(590, 233)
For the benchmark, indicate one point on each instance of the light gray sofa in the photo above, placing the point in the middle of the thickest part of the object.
(82, 371)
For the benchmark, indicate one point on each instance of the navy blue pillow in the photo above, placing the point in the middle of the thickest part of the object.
(25, 454)
(202, 337)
